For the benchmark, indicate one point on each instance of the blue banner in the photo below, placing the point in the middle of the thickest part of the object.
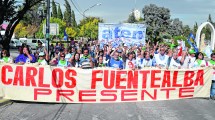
(117, 34)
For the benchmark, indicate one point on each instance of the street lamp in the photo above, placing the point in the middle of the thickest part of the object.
(98, 4)
(48, 24)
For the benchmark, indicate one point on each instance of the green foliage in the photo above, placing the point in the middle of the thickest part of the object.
(59, 13)
(186, 30)
(61, 23)
(68, 14)
(71, 32)
(74, 24)
(182, 38)
(54, 9)
(157, 20)
(131, 18)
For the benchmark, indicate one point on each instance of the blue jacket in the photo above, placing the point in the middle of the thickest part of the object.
(23, 58)
(115, 63)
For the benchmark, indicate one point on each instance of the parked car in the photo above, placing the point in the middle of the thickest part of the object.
(15, 43)
(34, 42)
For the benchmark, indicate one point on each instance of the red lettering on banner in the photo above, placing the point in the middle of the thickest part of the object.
(119, 79)
(188, 91)
(125, 93)
(199, 78)
(6, 69)
(106, 79)
(175, 76)
(89, 93)
(152, 97)
(109, 93)
(166, 79)
(144, 78)
(31, 72)
(18, 77)
(95, 79)
(41, 79)
(188, 78)
(132, 79)
(167, 91)
(154, 78)
(71, 84)
(39, 91)
(65, 94)
(57, 82)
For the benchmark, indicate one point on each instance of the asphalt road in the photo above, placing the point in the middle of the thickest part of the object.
(186, 109)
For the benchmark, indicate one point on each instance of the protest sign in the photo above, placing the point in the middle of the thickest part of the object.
(72, 85)
(130, 34)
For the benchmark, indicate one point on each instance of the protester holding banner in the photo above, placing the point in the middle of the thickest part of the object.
(192, 58)
(75, 60)
(161, 59)
(130, 62)
(62, 62)
(115, 62)
(211, 63)
(199, 62)
(174, 61)
(86, 59)
(42, 60)
(25, 56)
(147, 61)
(100, 62)
(5, 57)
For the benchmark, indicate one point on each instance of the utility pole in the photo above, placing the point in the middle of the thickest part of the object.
(48, 24)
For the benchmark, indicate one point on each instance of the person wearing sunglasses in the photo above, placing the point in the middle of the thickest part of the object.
(62, 62)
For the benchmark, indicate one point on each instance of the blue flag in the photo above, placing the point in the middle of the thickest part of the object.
(191, 41)
(65, 35)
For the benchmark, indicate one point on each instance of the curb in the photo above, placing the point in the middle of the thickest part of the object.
(4, 101)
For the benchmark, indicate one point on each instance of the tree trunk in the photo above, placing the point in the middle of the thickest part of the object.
(5, 44)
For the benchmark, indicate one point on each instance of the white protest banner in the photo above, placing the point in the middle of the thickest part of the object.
(72, 85)
(130, 34)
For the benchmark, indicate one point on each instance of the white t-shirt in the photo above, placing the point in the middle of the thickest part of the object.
(43, 62)
(130, 64)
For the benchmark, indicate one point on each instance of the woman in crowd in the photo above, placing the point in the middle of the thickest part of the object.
(25, 56)
(199, 62)
(5, 57)
(62, 61)
(147, 61)
(75, 60)
(100, 62)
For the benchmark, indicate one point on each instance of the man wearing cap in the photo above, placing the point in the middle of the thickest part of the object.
(192, 58)
(42, 60)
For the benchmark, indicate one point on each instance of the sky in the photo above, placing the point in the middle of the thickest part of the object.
(115, 11)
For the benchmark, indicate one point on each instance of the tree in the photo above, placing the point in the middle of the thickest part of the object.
(54, 9)
(71, 32)
(67, 14)
(195, 27)
(59, 13)
(176, 27)
(13, 16)
(74, 24)
(131, 18)
(61, 23)
(186, 30)
(89, 27)
(157, 20)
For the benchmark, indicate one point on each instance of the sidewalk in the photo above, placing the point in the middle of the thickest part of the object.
(4, 101)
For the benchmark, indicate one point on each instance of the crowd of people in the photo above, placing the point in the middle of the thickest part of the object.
(91, 55)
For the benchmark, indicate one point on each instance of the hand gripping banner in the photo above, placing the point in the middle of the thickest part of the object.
(72, 85)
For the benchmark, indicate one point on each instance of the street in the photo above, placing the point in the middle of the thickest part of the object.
(187, 109)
